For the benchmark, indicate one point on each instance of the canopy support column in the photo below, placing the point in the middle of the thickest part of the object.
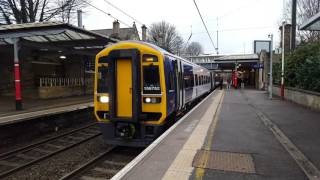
(17, 78)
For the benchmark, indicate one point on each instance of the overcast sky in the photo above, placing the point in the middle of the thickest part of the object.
(240, 22)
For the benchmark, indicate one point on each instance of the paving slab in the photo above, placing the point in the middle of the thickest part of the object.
(156, 163)
(243, 136)
(35, 108)
(240, 130)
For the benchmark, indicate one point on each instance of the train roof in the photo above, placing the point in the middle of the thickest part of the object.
(164, 52)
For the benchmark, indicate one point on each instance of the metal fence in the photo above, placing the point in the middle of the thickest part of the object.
(65, 82)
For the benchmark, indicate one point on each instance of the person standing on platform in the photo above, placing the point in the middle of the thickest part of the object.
(221, 82)
(228, 83)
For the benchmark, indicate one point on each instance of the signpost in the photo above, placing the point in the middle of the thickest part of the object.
(270, 78)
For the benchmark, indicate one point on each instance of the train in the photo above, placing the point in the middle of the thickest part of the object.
(140, 88)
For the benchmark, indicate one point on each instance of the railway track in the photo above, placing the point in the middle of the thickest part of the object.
(15, 160)
(105, 165)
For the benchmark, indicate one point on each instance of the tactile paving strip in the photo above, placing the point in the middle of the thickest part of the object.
(225, 161)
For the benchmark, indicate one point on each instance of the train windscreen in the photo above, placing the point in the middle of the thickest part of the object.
(151, 80)
(102, 86)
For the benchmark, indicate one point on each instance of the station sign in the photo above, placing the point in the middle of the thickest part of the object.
(258, 66)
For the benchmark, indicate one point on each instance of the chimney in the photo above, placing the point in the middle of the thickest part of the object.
(287, 38)
(116, 28)
(79, 14)
(144, 32)
(134, 25)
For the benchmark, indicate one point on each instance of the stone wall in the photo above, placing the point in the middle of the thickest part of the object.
(35, 65)
(306, 98)
(6, 73)
(61, 91)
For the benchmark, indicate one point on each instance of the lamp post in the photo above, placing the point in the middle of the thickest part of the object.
(282, 62)
(270, 78)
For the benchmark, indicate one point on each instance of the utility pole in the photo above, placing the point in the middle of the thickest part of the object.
(271, 77)
(282, 61)
(79, 17)
(294, 24)
(217, 49)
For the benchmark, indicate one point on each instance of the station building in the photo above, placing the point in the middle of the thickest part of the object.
(52, 59)
(253, 69)
(47, 60)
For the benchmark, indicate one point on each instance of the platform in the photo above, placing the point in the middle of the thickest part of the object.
(35, 108)
(235, 134)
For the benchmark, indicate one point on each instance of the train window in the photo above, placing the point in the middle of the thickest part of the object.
(185, 79)
(188, 76)
(102, 86)
(188, 81)
(171, 83)
(191, 80)
(196, 78)
(151, 80)
(150, 58)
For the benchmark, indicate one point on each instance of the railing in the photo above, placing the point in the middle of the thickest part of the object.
(65, 82)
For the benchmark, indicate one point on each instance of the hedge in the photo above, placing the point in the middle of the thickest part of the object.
(302, 68)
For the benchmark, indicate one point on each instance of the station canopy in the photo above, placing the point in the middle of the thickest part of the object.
(54, 36)
(312, 24)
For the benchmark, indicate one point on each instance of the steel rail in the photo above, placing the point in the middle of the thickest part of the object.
(80, 169)
(25, 148)
(49, 154)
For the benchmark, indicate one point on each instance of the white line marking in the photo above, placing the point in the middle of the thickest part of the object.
(35, 114)
(153, 145)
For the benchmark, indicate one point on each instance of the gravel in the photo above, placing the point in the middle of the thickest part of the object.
(62, 163)
(27, 132)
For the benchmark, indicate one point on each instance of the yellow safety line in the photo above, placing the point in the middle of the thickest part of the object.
(205, 156)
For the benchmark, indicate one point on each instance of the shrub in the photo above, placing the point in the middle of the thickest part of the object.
(302, 68)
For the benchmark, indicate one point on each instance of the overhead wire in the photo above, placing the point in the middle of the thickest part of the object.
(238, 29)
(136, 20)
(204, 24)
(109, 14)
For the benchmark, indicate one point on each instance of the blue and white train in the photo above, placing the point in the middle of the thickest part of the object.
(140, 88)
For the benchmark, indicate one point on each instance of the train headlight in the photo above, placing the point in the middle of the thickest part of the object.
(104, 99)
(148, 100)
(152, 100)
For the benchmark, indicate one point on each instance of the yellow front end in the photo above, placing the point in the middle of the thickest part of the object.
(117, 88)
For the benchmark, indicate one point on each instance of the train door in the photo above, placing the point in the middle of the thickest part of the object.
(124, 87)
(177, 84)
(181, 80)
(211, 81)
(124, 84)
(171, 85)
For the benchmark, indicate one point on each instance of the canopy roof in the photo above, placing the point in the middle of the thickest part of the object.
(312, 24)
(53, 34)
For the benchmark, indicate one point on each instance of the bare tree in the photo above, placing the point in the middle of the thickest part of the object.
(25, 11)
(166, 36)
(305, 10)
(194, 49)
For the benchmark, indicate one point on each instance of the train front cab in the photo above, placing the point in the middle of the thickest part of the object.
(130, 94)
